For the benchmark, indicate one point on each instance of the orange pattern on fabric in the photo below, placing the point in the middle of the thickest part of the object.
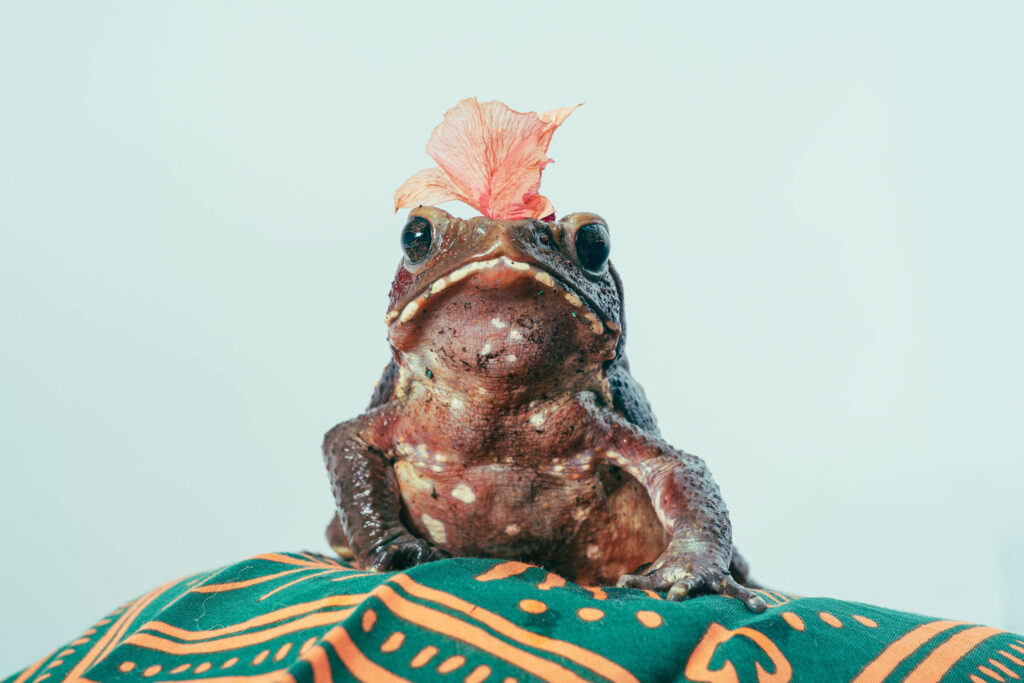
(152, 642)
(830, 619)
(261, 620)
(504, 570)
(585, 658)
(116, 632)
(317, 659)
(942, 658)
(236, 585)
(358, 664)
(697, 667)
(27, 673)
(298, 581)
(794, 620)
(269, 677)
(477, 637)
(423, 627)
(551, 581)
(894, 655)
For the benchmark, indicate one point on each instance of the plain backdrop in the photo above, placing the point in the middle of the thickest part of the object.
(815, 208)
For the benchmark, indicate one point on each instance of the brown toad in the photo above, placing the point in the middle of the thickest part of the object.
(508, 425)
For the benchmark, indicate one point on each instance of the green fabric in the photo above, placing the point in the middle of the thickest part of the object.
(296, 617)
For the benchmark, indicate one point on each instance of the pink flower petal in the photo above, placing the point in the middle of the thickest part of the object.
(491, 157)
(429, 186)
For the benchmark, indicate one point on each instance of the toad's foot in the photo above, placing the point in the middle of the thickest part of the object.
(685, 577)
(402, 552)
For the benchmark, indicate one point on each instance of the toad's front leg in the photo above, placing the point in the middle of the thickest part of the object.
(367, 496)
(686, 500)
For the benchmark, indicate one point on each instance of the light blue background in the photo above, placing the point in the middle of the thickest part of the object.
(816, 211)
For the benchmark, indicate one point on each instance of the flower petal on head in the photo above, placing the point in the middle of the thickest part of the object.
(429, 186)
(490, 157)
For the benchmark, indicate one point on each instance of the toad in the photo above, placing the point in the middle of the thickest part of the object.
(507, 423)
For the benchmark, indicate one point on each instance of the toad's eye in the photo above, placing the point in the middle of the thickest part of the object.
(416, 239)
(592, 246)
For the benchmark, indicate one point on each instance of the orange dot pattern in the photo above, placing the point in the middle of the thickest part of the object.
(369, 619)
(451, 664)
(830, 619)
(423, 656)
(532, 606)
(794, 620)
(393, 642)
(479, 674)
(648, 618)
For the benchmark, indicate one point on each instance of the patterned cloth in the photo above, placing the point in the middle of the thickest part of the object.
(297, 617)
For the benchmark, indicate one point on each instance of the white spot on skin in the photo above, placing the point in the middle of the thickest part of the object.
(440, 457)
(512, 529)
(436, 468)
(465, 270)
(456, 404)
(404, 380)
(511, 358)
(435, 528)
(558, 468)
(498, 323)
(516, 265)
(464, 493)
(593, 551)
(544, 278)
(616, 457)
(409, 478)
(573, 299)
(409, 311)
(486, 348)
(390, 317)
(537, 420)
(595, 324)
(580, 514)
(515, 335)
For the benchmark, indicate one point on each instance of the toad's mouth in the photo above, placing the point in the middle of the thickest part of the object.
(496, 267)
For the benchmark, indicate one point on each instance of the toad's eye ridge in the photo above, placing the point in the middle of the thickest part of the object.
(592, 246)
(416, 239)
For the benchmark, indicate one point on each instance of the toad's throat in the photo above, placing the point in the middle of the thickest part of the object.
(396, 318)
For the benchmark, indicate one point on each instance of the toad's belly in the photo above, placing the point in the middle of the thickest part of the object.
(591, 526)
